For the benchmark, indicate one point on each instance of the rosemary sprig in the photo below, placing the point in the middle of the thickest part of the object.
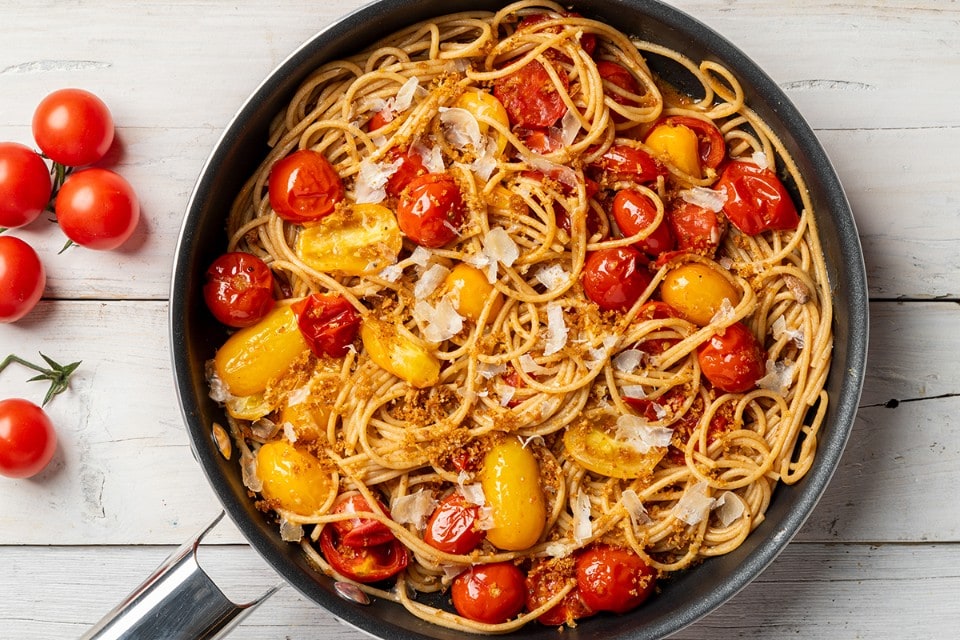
(57, 374)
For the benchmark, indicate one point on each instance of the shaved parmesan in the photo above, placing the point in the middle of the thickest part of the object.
(635, 509)
(561, 173)
(451, 571)
(441, 322)
(780, 331)
(498, 247)
(694, 505)
(489, 370)
(570, 127)
(473, 493)
(628, 360)
(760, 159)
(706, 198)
(372, 179)
(248, 473)
(421, 256)
(633, 391)
(391, 273)
(729, 508)
(460, 128)
(414, 508)
(264, 428)
(529, 365)
(636, 432)
(289, 432)
(556, 330)
(429, 281)
(779, 376)
(552, 277)
(486, 162)
(559, 549)
(725, 313)
(432, 157)
(582, 527)
(406, 94)
(290, 531)
(505, 391)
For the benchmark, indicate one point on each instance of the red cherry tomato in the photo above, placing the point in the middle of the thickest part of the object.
(22, 278)
(621, 161)
(380, 119)
(612, 579)
(430, 211)
(27, 438)
(588, 41)
(328, 322)
(695, 228)
(620, 76)
(73, 127)
(491, 593)
(530, 97)
(543, 583)
(542, 141)
(615, 278)
(635, 212)
(756, 199)
(712, 147)
(25, 185)
(360, 532)
(411, 167)
(363, 564)
(239, 289)
(97, 209)
(734, 360)
(454, 526)
(304, 187)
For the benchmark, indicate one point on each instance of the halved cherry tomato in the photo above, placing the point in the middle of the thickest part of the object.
(615, 278)
(454, 526)
(621, 161)
(27, 438)
(756, 199)
(697, 291)
(363, 564)
(25, 185)
(239, 289)
(73, 127)
(97, 209)
(733, 361)
(22, 278)
(411, 167)
(359, 532)
(490, 593)
(431, 211)
(304, 186)
(595, 445)
(544, 581)
(588, 41)
(695, 228)
(712, 146)
(635, 212)
(542, 141)
(613, 579)
(620, 76)
(530, 97)
(328, 322)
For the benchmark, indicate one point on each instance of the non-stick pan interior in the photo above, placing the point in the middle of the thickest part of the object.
(195, 335)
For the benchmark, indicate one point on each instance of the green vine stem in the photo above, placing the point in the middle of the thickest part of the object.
(58, 375)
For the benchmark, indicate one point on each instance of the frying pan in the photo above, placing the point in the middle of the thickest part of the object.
(195, 336)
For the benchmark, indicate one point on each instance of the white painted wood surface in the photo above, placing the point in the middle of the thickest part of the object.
(878, 80)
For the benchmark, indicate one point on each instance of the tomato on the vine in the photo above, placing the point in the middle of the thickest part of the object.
(734, 360)
(635, 212)
(530, 97)
(615, 278)
(27, 438)
(454, 526)
(239, 289)
(756, 200)
(613, 579)
(25, 185)
(22, 278)
(97, 209)
(490, 593)
(73, 127)
(328, 322)
(431, 211)
(304, 187)
(363, 564)
(360, 532)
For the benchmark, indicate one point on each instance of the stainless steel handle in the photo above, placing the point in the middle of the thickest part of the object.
(178, 601)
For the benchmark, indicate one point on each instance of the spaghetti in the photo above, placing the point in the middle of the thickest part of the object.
(636, 445)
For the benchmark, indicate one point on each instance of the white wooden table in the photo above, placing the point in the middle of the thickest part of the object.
(878, 80)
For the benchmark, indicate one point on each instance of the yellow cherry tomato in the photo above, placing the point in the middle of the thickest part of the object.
(308, 419)
(678, 145)
(292, 478)
(510, 478)
(355, 240)
(486, 104)
(472, 291)
(253, 356)
(697, 292)
(399, 353)
(595, 445)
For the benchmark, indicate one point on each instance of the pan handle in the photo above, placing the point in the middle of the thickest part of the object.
(178, 601)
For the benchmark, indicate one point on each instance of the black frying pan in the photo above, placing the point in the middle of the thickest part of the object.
(195, 335)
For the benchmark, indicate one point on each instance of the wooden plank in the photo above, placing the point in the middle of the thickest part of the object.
(810, 591)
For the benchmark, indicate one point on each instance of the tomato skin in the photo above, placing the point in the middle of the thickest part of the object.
(615, 278)
(411, 167)
(97, 209)
(304, 187)
(634, 212)
(756, 199)
(363, 564)
(239, 289)
(530, 97)
(621, 161)
(328, 322)
(431, 211)
(543, 582)
(695, 228)
(454, 526)
(618, 75)
(613, 579)
(360, 532)
(27, 438)
(490, 593)
(73, 127)
(733, 361)
(712, 146)
(22, 278)
(25, 185)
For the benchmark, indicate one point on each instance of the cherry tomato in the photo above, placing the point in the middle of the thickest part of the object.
(712, 146)
(615, 278)
(620, 76)
(360, 532)
(721, 422)
(756, 199)
(380, 119)
(363, 564)
(588, 41)
(239, 289)
(652, 310)
(22, 278)
(97, 209)
(530, 97)
(411, 167)
(454, 526)
(542, 141)
(491, 593)
(430, 211)
(596, 446)
(695, 228)
(635, 212)
(543, 582)
(613, 579)
(304, 187)
(27, 438)
(697, 291)
(621, 161)
(328, 322)
(733, 361)
(25, 185)
(73, 127)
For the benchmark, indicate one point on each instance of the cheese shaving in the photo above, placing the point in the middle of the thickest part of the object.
(290, 432)
(729, 508)
(628, 360)
(290, 531)
(505, 392)
(391, 273)
(414, 508)
(635, 509)
(725, 314)
(460, 128)
(778, 378)
(760, 159)
(570, 127)
(441, 322)
(529, 365)
(248, 473)
(432, 156)
(706, 198)
(582, 527)
(429, 281)
(636, 432)
(552, 277)
(694, 505)
(489, 370)
(421, 256)
(370, 186)
(556, 329)
(633, 391)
